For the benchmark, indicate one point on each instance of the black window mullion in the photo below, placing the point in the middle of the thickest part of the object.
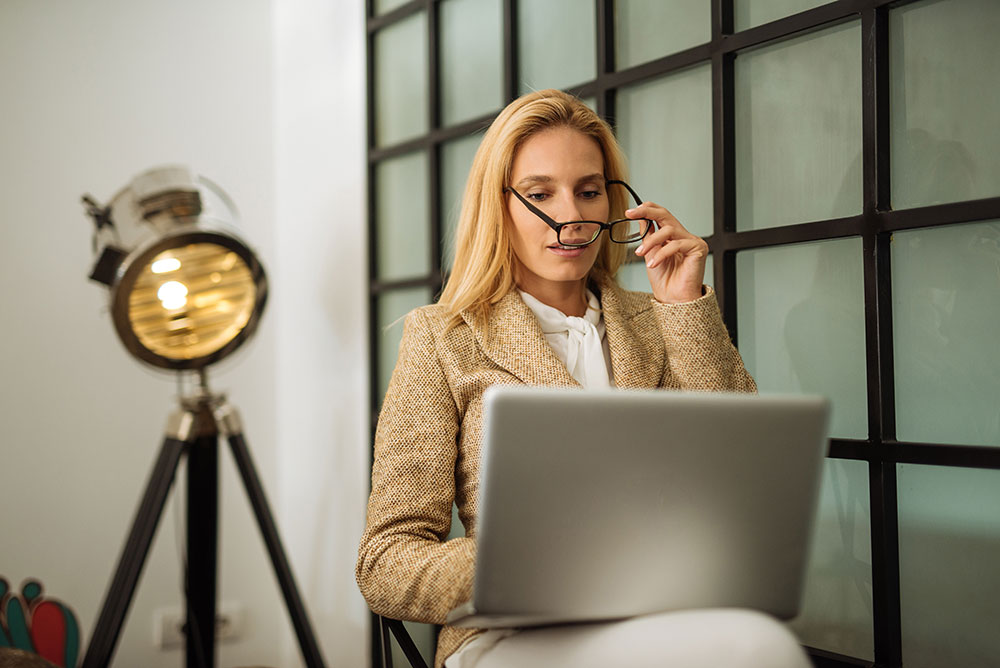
(370, 111)
(376, 23)
(875, 109)
(653, 69)
(908, 452)
(878, 338)
(835, 228)
(885, 564)
(510, 39)
(882, 471)
(435, 185)
(373, 327)
(433, 97)
(875, 242)
(803, 22)
(724, 162)
(605, 51)
(434, 150)
(372, 237)
(938, 215)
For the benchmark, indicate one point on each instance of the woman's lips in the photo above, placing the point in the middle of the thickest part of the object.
(566, 251)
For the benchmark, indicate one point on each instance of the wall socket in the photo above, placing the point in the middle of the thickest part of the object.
(168, 624)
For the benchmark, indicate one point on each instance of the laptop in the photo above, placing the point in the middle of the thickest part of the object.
(601, 505)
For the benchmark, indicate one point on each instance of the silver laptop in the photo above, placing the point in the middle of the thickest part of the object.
(598, 505)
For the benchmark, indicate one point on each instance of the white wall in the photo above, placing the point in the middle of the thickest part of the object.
(266, 99)
(322, 377)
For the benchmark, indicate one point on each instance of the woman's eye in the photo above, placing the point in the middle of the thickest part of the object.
(536, 197)
(590, 194)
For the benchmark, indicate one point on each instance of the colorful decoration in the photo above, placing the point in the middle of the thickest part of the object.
(34, 623)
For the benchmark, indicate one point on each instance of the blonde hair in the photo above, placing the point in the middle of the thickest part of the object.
(483, 270)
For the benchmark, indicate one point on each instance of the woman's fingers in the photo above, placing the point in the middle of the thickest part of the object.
(674, 257)
(666, 227)
(666, 235)
(681, 248)
(650, 210)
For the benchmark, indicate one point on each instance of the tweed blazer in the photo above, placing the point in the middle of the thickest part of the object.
(429, 433)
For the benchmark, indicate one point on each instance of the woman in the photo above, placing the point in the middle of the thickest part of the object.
(535, 302)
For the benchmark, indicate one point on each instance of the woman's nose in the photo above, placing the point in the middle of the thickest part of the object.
(566, 209)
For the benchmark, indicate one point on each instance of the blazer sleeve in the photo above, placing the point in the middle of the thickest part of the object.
(406, 569)
(700, 354)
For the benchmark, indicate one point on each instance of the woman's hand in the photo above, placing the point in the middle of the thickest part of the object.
(675, 258)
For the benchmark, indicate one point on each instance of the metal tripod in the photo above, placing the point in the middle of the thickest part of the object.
(194, 431)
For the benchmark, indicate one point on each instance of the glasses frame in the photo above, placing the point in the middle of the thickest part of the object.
(558, 227)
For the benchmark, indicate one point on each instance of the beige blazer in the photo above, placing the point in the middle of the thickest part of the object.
(429, 433)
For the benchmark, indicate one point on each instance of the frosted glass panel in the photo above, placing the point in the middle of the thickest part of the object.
(801, 328)
(402, 241)
(837, 602)
(392, 306)
(456, 159)
(945, 102)
(750, 13)
(470, 61)
(665, 128)
(649, 29)
(556, 46)
(949, 551)
(632, 276)
(401, 80)
(798, 130)
(946, 320)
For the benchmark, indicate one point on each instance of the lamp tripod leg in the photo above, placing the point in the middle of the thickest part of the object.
(102, 643)
(201, 569)
(233, 429)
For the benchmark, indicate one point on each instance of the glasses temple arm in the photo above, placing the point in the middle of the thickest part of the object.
(635, 195)
(535, 210)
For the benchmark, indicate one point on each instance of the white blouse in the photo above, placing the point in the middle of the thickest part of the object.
(580, 343)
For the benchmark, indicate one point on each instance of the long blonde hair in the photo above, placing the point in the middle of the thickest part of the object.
(483, 271)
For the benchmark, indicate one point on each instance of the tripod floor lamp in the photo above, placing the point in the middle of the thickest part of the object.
(185, 291)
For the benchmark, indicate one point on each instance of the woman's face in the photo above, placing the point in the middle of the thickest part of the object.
(560, 171)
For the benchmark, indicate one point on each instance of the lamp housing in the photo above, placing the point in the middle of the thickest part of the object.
(185, 289)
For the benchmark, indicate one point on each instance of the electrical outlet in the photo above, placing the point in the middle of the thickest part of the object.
(168, 625)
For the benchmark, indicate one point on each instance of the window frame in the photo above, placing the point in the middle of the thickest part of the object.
(874, 225)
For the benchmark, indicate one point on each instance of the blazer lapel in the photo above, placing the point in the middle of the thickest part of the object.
(634, 338)
(512, 338)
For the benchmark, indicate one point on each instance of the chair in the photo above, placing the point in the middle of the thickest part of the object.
(387, 628)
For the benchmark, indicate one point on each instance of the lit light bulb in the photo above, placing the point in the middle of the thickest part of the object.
(165, 265)
(173, 295)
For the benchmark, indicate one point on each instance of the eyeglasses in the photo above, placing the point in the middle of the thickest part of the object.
(579, 233)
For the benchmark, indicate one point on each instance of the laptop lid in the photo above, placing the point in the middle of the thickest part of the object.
(608, 504)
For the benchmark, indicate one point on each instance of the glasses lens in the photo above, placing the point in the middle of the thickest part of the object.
(578, 234)
(627, 231)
